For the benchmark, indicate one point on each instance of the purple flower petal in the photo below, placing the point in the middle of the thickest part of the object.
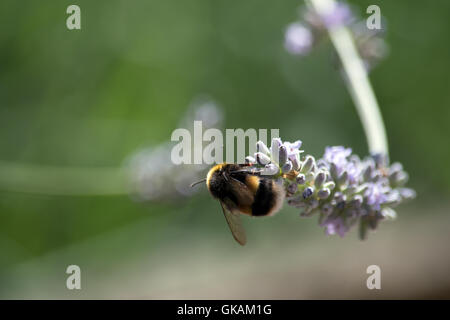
(298, 39)
(339, 15)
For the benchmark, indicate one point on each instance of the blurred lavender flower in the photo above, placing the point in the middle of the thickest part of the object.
(370, 43)
(334, 226)
(343, 189)
(338, 157)
(339, 14)
(376, 194)
(154, 177)
(301, 36)
(298, 39)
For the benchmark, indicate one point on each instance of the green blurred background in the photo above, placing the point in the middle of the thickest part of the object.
(74, 105)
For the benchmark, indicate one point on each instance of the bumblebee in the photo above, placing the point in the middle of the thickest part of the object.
(243, 190)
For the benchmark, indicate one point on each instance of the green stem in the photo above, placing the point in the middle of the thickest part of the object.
(73, 181)
(358, 82)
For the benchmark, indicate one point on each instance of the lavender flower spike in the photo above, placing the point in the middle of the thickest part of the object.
(340, 187)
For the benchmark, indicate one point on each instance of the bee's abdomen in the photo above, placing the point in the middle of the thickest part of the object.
(265, 198)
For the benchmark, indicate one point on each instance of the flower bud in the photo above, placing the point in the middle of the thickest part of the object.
(307, 164)
(270, 170)
(333, 171)
(261, 147)
(282, 155)
(401, 178)
(342, 179)
(308, 192)
(262, 159)
(367, 175)
(250, 160)
(320, 179)
(393, 197)
(324, 193)
(321, 164)
(292, 188)
(330, 185)
(407, 193)
(339, 196)
(286, 167)
(389, 213)
(295, 162)
(300, 179)
(395, 167)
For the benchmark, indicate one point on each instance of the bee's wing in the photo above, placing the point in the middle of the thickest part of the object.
(242, 192)
(235, 224)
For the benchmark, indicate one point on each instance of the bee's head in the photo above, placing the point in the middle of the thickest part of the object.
(216, 172)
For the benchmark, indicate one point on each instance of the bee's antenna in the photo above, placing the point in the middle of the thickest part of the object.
(195, 183)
